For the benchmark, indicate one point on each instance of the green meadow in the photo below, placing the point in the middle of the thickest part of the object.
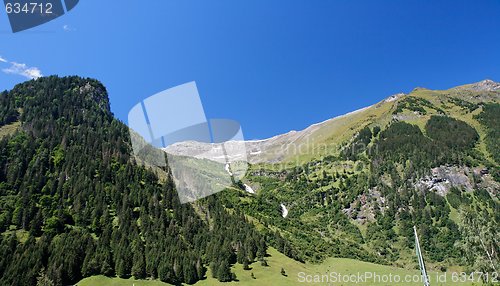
(298, 274)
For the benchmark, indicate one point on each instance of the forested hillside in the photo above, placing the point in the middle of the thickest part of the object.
(74, 203)
(431, 161)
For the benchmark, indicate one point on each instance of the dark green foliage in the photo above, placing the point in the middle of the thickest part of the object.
(365, 135)
(300, 240)
(451, 132)
(454, 198)
(465, 105)
(359, 144)
(451, 142)
(415, 104)
(67, 180)
(401, 142)
(490, 119)
(8, 110)
(43, 279)
(139, 262)
(224, 272)
(482, 195)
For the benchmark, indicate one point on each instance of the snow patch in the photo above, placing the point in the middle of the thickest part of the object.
(284, 210)
(249, 189)
(394, 97)
(228, 170)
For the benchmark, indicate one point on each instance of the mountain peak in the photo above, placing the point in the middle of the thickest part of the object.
(394, 97)
(484, 85)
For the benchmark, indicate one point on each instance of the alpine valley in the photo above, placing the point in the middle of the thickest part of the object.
(342, 195)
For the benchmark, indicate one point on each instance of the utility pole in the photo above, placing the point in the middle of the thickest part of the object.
(420, 258)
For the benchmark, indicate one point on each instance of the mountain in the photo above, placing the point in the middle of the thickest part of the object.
(75, 203)
(326, 138)
(355, 185)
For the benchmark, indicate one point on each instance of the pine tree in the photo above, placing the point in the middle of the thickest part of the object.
(190, 275)
(214, 267)
(43, 279)
(241, 255)
(224, 272)
(200, 269)
(139, 263)
(165, 272)
(90, 266)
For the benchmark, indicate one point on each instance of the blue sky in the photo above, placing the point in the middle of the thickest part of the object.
(272, 65)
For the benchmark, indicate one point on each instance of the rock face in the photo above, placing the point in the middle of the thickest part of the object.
(394, 97)
(485, 85)
(364, 207)
(406, 117)
(444, 177)
(441, 180)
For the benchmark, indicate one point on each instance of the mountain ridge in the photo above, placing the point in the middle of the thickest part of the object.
(74, 201)
(278, 148)
(427, 159)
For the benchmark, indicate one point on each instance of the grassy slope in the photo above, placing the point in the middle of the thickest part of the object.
(271, 275)
(327, 139)
(9, 129)
(441, 99)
